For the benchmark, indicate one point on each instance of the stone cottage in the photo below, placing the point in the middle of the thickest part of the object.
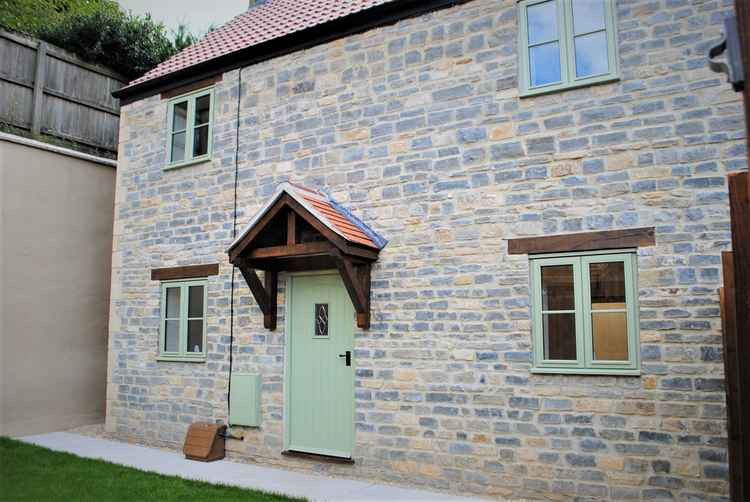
(472, 246)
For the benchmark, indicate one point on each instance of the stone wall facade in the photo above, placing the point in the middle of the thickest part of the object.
(418, 128)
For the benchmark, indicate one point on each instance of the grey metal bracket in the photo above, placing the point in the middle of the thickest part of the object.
(731, 45)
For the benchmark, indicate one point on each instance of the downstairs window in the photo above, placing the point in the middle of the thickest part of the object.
(585, 313)
(183, 320)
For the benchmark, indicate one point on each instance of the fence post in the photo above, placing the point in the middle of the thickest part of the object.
(40, 76)
(739, 202)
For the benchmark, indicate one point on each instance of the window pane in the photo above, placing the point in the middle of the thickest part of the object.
(544, 64)
(195, 336)
(591, 54)
(610, 331)
(321, 319)
(195, 301)
(200, 141)
(559, 336)
(557, 288)
(588, 15)
(202, 110)
(171, 336)
(607, 285)
(178, 147)
(173, 303)
(179, 117)
(542, 22)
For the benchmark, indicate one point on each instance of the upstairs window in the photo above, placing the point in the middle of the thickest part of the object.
(585, 313)
(565, 44)
(183, 320)
(190, 128)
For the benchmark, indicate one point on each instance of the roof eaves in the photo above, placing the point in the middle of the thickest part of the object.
(358, 22)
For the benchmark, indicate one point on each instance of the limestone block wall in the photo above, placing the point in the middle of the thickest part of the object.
(419, 130)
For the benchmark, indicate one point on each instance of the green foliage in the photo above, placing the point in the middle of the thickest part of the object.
(130, 44)
(29, 16)
(32, 473)
(183, 37)
(98, 31)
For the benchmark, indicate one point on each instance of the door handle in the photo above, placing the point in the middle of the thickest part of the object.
(348, 356)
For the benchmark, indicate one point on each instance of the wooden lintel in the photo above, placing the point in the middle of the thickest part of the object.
(586, 241)
(291, 250)
(356, 278)
(184, 272)
(184, 89)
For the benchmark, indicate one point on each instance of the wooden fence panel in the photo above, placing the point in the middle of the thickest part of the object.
(19, 61)
(46, 90)
(16, 103)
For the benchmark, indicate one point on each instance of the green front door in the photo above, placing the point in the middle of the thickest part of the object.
(320, 385)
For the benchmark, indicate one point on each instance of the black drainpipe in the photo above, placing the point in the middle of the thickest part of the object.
(234, 235)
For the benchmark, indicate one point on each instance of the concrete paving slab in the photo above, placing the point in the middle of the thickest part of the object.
(269, 479)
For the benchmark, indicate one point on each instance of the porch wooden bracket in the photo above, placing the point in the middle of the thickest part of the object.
(265, 293)
(356, 277)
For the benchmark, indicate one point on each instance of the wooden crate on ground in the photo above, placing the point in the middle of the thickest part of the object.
(205, 442)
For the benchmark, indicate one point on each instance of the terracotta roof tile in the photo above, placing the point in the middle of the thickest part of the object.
(341, 221)
(264, 22)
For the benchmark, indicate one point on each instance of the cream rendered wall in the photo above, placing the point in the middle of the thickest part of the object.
(55, 253)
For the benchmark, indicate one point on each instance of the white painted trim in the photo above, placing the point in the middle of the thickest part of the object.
(12, 138)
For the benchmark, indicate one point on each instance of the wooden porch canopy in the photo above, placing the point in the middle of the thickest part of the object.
(301, 229)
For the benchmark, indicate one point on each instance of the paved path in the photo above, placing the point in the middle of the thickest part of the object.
(312, 487)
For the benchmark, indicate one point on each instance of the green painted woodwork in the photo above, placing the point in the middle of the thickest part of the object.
(190, 100)
(177, 314)
(319, 387)
(244, 400)
(585, 363)
(569, 79)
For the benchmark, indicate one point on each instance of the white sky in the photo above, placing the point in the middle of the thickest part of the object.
(197, 14)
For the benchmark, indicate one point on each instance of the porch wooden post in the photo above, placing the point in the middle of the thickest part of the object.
(271, 283)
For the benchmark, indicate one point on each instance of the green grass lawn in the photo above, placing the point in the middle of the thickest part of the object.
(29, 472)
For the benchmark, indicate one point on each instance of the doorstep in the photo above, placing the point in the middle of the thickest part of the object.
(293, 484)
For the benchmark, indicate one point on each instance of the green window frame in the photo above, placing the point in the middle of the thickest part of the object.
(190, 138)
(183, 320)
(566, 38)
(584, 312)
